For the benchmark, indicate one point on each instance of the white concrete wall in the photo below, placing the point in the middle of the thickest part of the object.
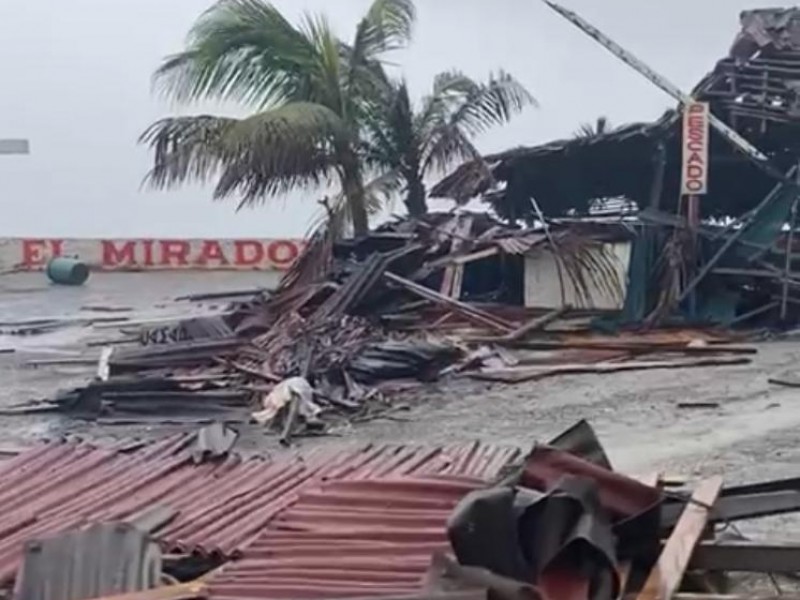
(30, 254)
(543, 288)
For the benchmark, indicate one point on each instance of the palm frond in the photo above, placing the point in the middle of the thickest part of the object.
(264, 155)
(387, 26)
(186, 149)
(392, 132)
(492, 103)
(589, 266)
(450, 88)
(460, 109)
(328, 68)
(242, 50)
(446, 146)
(281, 149)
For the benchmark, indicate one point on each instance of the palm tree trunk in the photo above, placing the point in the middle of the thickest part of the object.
(353, 188)
(415, 198)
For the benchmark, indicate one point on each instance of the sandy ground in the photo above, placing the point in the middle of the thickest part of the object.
(752, 435)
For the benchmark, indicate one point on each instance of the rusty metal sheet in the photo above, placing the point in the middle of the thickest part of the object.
(622, 496)
(220, 508)
(361, 537)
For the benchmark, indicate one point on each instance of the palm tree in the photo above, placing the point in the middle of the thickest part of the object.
(310, 93)
(412, 143)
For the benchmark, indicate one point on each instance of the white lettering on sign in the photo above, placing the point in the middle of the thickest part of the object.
(694, 166)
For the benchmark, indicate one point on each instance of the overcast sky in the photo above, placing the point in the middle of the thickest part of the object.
(75, 80)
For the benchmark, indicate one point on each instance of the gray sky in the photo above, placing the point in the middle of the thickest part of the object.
(76, 81)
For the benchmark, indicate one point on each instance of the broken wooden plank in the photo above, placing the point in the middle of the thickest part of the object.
(524, 374)
(454, 273)
(469, 312)
(537, 323)
(268, 377)
(637, 347)
(455, 259)
(667, 574)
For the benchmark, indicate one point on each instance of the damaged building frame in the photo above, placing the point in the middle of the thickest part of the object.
(735, 262)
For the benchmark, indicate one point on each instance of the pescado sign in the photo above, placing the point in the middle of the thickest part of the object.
(694, 166)
(30, 254)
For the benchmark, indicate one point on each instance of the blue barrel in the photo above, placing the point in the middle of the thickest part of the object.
(67, 271)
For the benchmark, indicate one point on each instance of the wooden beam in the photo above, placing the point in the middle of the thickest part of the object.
(523, 330)
(735, 235)
(667, 574)
(659, 168)
(469, 312)
(746, 557)
(526, 373)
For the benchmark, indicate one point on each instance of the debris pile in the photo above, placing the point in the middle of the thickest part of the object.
(467, 521)
(415, 301)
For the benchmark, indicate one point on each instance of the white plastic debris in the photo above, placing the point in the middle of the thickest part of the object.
(282, 395)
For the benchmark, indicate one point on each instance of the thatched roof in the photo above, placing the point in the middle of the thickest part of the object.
(756, 89)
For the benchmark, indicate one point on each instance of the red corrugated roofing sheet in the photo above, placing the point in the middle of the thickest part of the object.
(367, 538)
(221, 507)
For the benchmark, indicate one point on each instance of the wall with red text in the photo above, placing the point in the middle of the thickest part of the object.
(31, 254)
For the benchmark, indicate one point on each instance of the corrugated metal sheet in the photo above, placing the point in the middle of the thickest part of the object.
(367, 538)
(106, 559)
(220, 507)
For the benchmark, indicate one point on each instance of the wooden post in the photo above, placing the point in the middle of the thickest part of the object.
(787, 266)
(693, 223)
(657, 188)
(693, 215)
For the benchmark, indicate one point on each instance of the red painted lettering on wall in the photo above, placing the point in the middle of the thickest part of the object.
(282, 253)
(248, 253)
(211, 251)
(148, 252)
(174, 253)
(114, 256)
(34, 252)
(136, 254)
